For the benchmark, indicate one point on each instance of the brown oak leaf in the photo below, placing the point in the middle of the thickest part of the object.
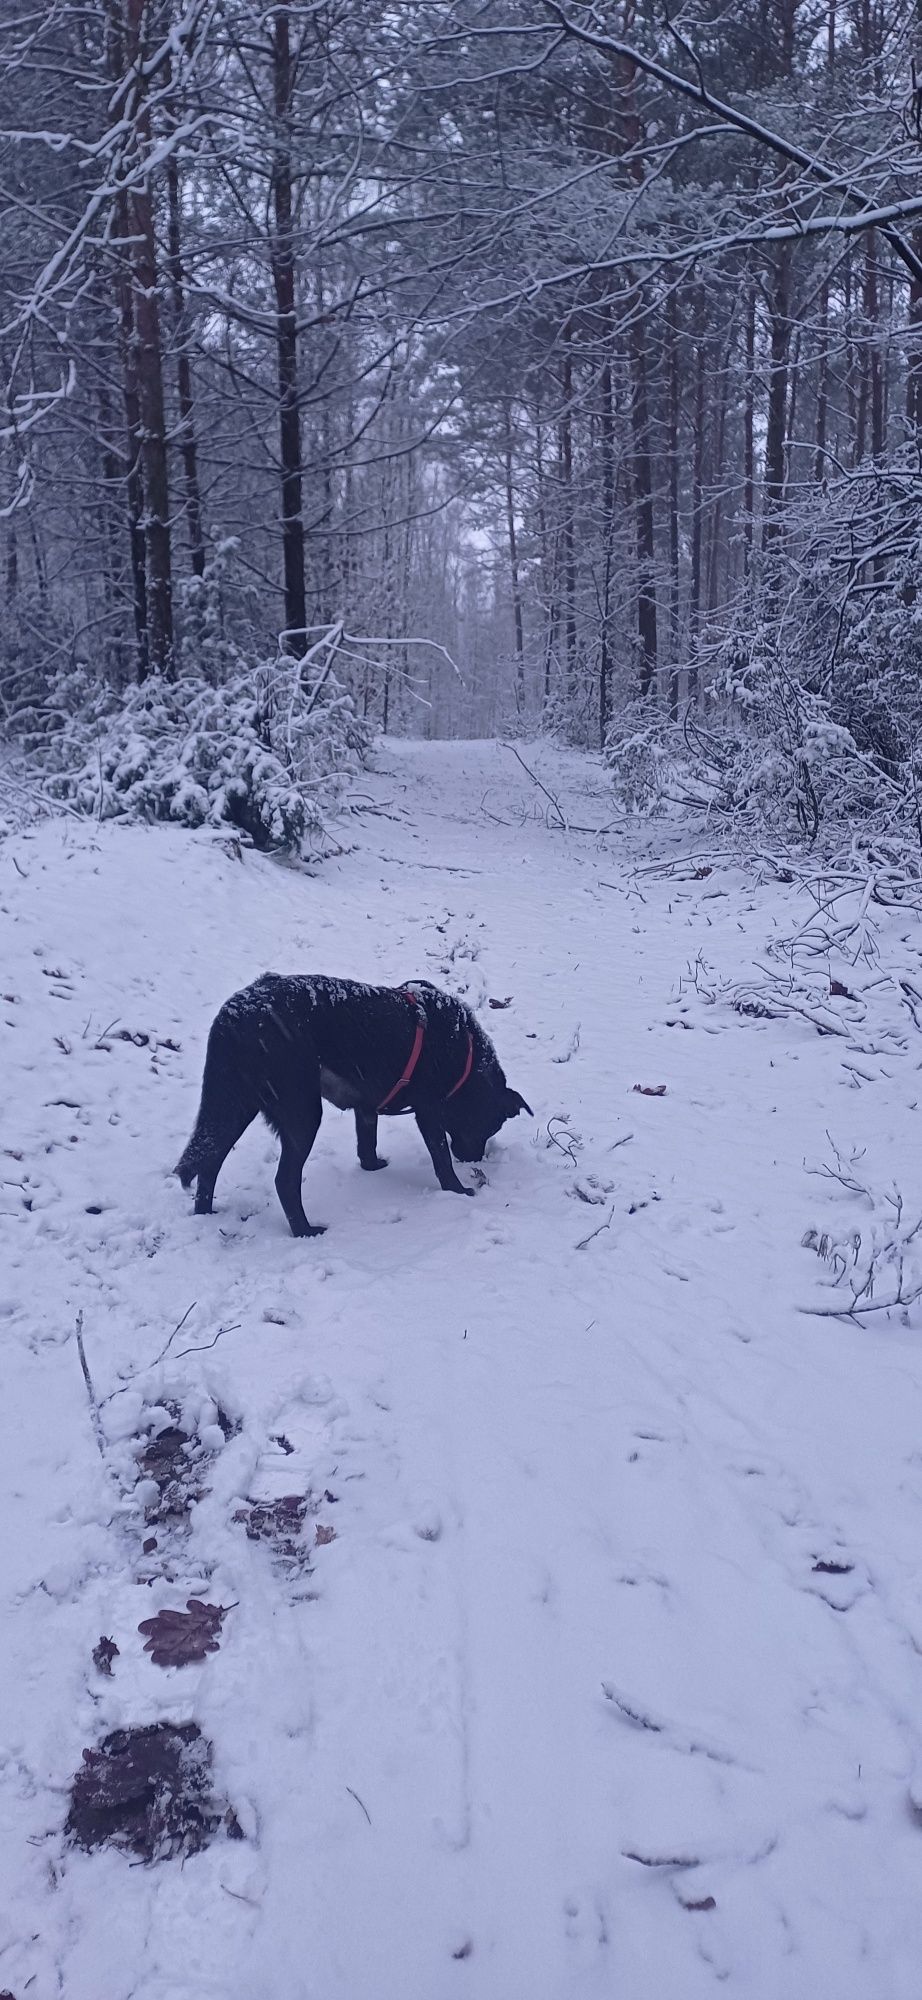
(179, 1638)
(324, 1534)
(650, 1089)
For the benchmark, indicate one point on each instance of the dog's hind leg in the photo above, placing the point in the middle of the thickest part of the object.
(366, 1133)
(297, 1135)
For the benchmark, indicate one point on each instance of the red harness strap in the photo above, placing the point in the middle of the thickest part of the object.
(416, 1052)
(469, 1062)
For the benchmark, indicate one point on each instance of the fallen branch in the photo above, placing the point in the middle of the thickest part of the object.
(438, 867)
(561, 816)
(862, 1268)
(857, 1311)
(564, 825)
(359, 1802)
(126, 1384)
(581, 1245)
(554, 1139)
(91, 1393)
(234, 1327)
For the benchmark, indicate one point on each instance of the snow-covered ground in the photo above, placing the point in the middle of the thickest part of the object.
(566, 1707)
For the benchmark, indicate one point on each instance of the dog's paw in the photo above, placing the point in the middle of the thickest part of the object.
(311, 1229)
(372, 1166)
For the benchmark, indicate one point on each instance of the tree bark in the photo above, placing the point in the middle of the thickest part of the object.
(608, 517)
(513, 559)
(672, 448)
(914, 348)
(150, 398)
(11, 537)
(187, 441)
(776, 419)
(872, 323)
(694, 608)
(283, 278)
(134, 479)
(645, 522)
(749, 412)
(567, 530)
(822, 390)
(547, 559)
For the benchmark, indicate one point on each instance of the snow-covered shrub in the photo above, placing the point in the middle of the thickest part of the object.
(741, 753)
(651, 761)
(210, 642)
(766, 745)
(810, 707)
(259, 752)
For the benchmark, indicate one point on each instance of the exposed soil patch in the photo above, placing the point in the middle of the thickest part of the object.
(174, 1458)
(280, 1523)
(149, 1792)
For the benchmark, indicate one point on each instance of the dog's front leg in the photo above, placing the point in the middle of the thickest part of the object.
(366, 1133)
(433, 1132)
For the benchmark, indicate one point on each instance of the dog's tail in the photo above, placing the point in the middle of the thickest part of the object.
(192, 1158)
(217, 1090)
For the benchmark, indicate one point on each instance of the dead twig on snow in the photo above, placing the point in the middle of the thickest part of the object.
(359, 1802)
(91, 1393)
(564, 825)
(581, 1245)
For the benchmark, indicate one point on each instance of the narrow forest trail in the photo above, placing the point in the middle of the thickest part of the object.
(565, 1708)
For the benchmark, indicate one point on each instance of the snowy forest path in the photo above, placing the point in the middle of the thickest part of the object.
(607, 1681)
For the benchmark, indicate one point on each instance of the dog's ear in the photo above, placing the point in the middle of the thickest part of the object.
(515, 1104)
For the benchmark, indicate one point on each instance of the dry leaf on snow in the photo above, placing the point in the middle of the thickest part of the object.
(179, 1638)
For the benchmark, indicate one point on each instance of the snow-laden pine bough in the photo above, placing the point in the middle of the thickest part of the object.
(285, 1043)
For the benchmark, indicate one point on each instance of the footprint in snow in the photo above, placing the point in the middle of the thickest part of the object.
(586, 1923)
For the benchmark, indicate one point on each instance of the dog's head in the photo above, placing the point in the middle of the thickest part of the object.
(481, 1111)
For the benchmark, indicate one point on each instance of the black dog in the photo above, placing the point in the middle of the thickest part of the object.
(284, 1044)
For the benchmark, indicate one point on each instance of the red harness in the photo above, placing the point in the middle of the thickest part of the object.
(416, 1052)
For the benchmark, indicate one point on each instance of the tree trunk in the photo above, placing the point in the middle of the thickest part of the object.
(672, 448)
(749, 412)
(717, 507)
(822, 390)
(547, 560)
(872, 322)
(645, 523)
(513, 559)
(283, 278)
(112, 511)
(134, 479)
(566, 497)
(187, 442)
(776, 419)
(11, 536)
(608, 518)
(151, 410)
(694, 608)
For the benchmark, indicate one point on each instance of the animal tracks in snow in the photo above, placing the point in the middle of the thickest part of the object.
(449, 1474)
